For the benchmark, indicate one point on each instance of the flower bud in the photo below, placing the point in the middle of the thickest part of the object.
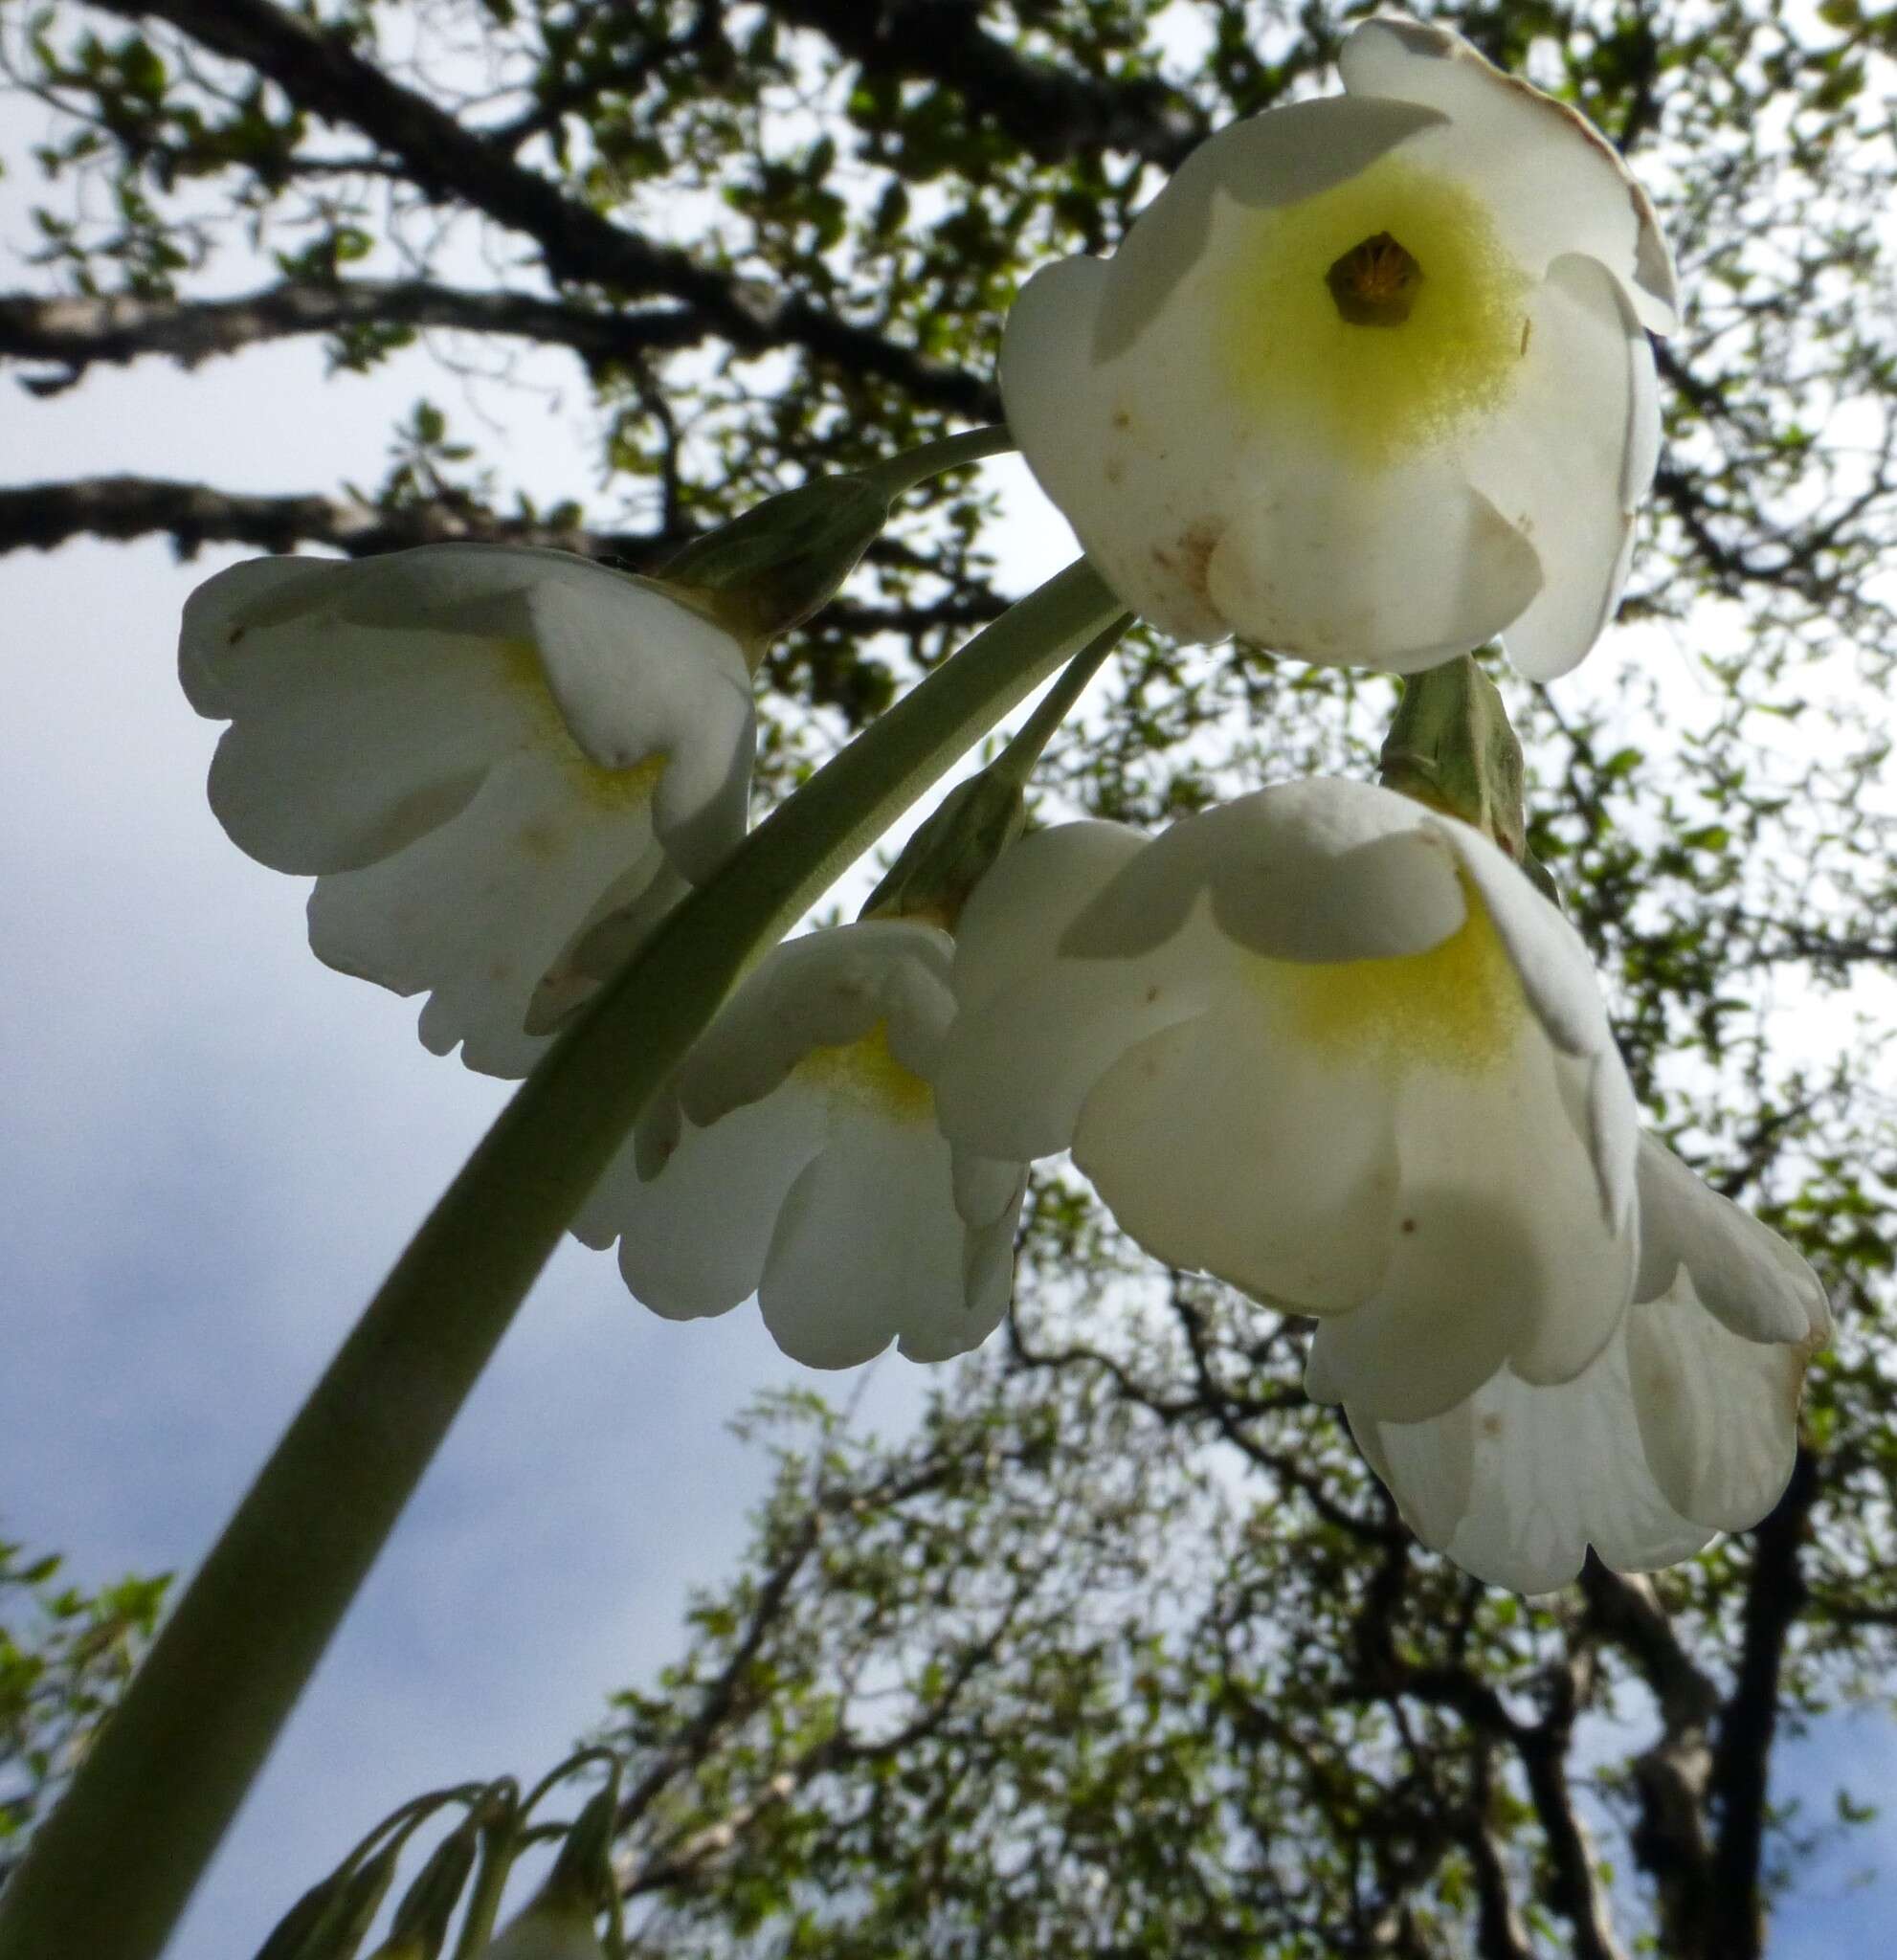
(558, 1923)
(286, 1939)
(1450, 747)
(951, 853)
(331, 1920)
(771, 568)
(420, 1929)
(549, 1929)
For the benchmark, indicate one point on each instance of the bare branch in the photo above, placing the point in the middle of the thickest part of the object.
(74, 332)
(1669, 1838)
(1500, 1934)
(1574, 1889)
(1775, 1596)
(40, 516)
(453, 166)
(1051, 112)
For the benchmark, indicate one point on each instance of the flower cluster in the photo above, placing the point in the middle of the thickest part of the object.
(1334, 1049)
(1369, 383)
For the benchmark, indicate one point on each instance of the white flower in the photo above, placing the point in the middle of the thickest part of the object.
(1331, 1047)
(796, 1156)
(482, 752)
(546, 1931)
(1685, 1425)
(1369, 382)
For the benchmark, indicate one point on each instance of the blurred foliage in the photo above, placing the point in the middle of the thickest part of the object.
(1123, 1651)
(64, 1656)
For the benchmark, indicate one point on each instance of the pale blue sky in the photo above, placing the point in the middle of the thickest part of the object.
(214, 1148)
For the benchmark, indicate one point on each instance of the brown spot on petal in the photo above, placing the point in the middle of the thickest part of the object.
(1408, 1225)
(1490, 1426)
(1187, 560)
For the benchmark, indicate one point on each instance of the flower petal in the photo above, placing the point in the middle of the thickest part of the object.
(868, 1248)
(1746, 1277)
(1105, 454)
(1500, 1250)
(1033, 1032)
(985, 1187)
(637, 672)
(1428, 1467)
(695, 1239)
(1558, 184)
(1399, 567)
(988, 1270)
(347, 748)
(621, 920)
(1225, 1150)
(1016, 915)
(1315, 872)
(1718, 1415)
(1585, 397)
(825, 990)
(478, 908)
(1551, 957)
(1517, 1481)
(218, 617)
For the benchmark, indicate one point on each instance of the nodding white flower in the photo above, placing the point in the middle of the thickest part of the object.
(482, 752)
(795, 1156)
(1331, 1047)
(1368, 381)
(1685, 1425)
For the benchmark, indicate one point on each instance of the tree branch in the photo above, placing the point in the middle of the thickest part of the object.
(1669, 1838)
(452, 165)
(1051, 112)
(1775, 1596)
(74, 332)
(40, 516)
(1574, 1890)
(1500, 1934)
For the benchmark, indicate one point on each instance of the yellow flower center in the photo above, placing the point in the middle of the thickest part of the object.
(865, 1071)
(1379, 316)
(1456, 1007)
(604, 788)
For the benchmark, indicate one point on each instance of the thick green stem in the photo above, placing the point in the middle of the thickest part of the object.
(111, 1868)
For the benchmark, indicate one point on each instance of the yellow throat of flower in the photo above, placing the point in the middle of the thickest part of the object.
(866, 1073)
(1456, 1007)
(604, 788)
(1375, 318)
